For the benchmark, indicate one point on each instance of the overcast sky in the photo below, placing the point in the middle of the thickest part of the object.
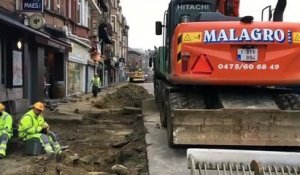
(142, 14)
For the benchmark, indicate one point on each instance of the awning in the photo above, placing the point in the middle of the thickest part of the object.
(40, 37)
(14, 23)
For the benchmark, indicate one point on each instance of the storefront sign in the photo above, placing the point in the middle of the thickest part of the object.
(32, 5)
(64, 47)
(36, 21)
(79, 53)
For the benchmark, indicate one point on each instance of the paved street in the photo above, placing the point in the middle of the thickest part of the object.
(162, 160)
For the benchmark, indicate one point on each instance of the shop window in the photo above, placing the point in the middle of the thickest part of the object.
(74, 78)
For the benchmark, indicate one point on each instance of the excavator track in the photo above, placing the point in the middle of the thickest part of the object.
(288, 101)
(181, 101)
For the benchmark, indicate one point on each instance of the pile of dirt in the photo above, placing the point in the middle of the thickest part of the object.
(130, 95)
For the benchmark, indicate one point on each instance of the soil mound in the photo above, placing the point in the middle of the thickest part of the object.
(130, 95)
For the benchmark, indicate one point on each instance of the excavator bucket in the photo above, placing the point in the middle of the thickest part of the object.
(242, 127)
(242, 162)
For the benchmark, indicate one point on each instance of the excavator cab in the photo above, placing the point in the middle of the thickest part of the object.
(181, 11)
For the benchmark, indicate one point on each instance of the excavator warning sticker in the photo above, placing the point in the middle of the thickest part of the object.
(192, 37)
(296, 37)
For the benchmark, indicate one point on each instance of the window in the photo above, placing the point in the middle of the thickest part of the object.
(18, 5)
(78, 15)
(49, 4)
(114, 47)
(89, 18)
(69, 9)
(113, 23)
(86, 14)
(58, 6)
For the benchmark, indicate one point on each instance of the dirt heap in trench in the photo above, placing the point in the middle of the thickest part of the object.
(130, 95)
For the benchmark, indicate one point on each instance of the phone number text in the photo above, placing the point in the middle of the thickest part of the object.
(248, 66)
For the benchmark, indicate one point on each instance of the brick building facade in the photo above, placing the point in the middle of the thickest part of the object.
(53, 53)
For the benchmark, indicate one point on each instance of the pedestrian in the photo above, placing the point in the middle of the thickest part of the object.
(95, 83)
(33, 125)
(5, 130)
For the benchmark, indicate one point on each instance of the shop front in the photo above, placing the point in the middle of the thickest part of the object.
(14, 53)
(55, 53)
(77, 69)
(29, 59)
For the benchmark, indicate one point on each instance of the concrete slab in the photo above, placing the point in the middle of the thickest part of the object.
(64, 118)
(162, 160)
(132, 110)
(149, 106)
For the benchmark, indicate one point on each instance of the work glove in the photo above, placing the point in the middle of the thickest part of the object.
(45, 125)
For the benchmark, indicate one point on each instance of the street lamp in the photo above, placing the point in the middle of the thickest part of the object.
(19, 44)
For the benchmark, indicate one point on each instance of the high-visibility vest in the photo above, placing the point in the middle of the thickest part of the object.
(6, 122)
(30, 124)
(96, 81)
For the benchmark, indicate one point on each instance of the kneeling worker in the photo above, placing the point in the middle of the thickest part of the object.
(5, 130)
(32, 125)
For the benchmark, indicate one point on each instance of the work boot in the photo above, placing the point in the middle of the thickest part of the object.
(2, 153)
(56, 146)
(59, 153)
(49, 149)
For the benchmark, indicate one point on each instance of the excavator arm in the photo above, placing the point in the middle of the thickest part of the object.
(229, 7)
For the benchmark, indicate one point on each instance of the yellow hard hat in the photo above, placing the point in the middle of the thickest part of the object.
(2, 107)
(39, 106)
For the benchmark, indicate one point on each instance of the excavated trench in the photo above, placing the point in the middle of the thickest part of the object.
(97, 143)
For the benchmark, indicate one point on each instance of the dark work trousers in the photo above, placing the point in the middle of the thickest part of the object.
(95, 90)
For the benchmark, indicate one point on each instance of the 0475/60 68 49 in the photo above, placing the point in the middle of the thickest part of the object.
(243, 66)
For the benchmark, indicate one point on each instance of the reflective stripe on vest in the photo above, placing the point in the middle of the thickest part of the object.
(5, 116)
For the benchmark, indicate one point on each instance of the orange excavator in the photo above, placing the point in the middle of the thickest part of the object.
(219, 78)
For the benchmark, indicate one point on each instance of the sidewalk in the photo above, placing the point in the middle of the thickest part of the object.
(76, 107)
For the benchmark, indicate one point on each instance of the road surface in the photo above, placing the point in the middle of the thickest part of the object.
(162, 160)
